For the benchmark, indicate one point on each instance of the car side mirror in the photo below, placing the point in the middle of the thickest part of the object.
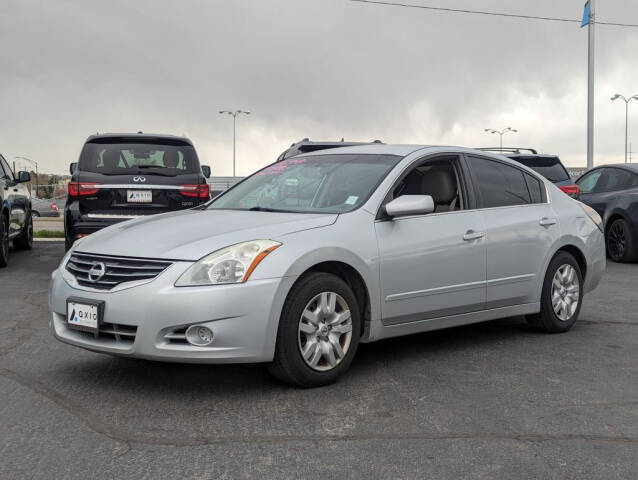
(206, 171)
(24, 177)
(73, 167)
(410, 205)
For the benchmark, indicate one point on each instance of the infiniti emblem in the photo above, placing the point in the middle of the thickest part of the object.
(139, 179)
(97, 271)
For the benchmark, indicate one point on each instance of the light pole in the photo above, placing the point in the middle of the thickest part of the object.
(501, 133)
(234, 115)
(37, 177)
(626, 100)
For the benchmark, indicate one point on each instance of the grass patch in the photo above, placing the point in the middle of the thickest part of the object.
(48, 234)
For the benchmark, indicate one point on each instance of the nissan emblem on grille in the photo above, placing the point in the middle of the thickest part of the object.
(107, 272)
(97, 271)
(139, 179)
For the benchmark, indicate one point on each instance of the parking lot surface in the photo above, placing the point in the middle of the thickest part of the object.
(493, 400)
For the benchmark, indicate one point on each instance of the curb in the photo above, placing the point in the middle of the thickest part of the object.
(48, 239)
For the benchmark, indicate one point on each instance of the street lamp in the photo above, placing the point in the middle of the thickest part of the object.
(234, 115)
(501, 133)
(37, 177)
(627, 100)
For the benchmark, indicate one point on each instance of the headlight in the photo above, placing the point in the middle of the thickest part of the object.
(232, 264)
(593, 215)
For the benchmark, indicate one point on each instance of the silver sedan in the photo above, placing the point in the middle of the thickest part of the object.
(308, 257)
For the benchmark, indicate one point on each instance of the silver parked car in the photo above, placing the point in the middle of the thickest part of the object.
(309, 256)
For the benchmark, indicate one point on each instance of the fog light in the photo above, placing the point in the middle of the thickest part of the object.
(199, 335)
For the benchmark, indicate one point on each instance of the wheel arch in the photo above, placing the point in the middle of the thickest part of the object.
(578, 255)
(355, 281)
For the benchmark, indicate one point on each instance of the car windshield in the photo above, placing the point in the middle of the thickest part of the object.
(314, 184)
(548, 167)
(114, 158)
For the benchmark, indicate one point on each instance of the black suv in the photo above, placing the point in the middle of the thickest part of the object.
(16, 223)
(123, 176)
(306, 145)
(549, 166)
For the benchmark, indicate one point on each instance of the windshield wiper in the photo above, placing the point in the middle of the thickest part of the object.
(257, 208)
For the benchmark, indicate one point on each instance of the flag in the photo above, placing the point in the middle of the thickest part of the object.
(585, 16)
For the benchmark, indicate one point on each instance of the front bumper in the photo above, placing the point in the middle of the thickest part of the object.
(141, 321)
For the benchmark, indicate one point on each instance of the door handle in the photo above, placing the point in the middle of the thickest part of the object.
(472, 235)
(546, 222)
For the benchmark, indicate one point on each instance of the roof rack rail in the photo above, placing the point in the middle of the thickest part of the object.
(508, 149)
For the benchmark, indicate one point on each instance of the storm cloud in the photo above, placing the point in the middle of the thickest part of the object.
(323, 69)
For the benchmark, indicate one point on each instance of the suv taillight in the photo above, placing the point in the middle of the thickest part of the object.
(81, 189)
(571, 190)
(199, 191)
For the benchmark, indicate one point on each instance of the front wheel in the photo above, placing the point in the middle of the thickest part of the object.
(25, 240)
(561, 297)
(4, 241)
(318, 331)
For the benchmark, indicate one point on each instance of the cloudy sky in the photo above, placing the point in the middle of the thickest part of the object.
(323, 69)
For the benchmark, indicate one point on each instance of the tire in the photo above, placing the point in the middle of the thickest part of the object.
(620, 242)
(35, 214)
(567, 290)
(25, 240)
(315, 308)
(4, 241)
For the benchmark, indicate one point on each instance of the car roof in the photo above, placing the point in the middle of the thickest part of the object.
(633, 167)
(139, 136)
(405, 150)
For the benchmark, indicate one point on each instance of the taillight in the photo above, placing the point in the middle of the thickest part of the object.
(81, 189)
(197, 191)
(571, 190)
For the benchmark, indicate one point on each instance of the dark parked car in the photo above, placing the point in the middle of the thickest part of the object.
(124, 176)
(549, 166)
(42, 207)
(612, 190)
(16, 223)
(306, 146)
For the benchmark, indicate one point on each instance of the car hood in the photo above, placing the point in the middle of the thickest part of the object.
(192, 234)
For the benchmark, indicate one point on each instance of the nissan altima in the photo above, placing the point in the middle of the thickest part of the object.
(308, 257)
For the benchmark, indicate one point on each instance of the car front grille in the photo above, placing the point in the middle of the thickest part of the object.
(116, 269)
(112, 332)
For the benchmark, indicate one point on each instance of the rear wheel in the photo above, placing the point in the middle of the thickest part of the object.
(4, 241)
(561, 297)
(35, 213)
(318, 332)
(620, 242)
(25, 240)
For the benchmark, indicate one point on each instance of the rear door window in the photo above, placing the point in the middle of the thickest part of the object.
(498, 184)
(614, 179)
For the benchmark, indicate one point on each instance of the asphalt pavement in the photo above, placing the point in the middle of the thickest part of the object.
(495, 401)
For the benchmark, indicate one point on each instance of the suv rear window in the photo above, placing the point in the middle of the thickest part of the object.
(548, 167)
(111, 157)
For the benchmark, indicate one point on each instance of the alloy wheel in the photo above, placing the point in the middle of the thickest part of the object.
(616, 240)
(565, 292)
(325, 331)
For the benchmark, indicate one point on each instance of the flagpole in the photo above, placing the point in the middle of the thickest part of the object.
(590, 85)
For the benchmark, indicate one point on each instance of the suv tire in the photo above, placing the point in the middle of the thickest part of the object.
(25, 240)
(4, 241)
